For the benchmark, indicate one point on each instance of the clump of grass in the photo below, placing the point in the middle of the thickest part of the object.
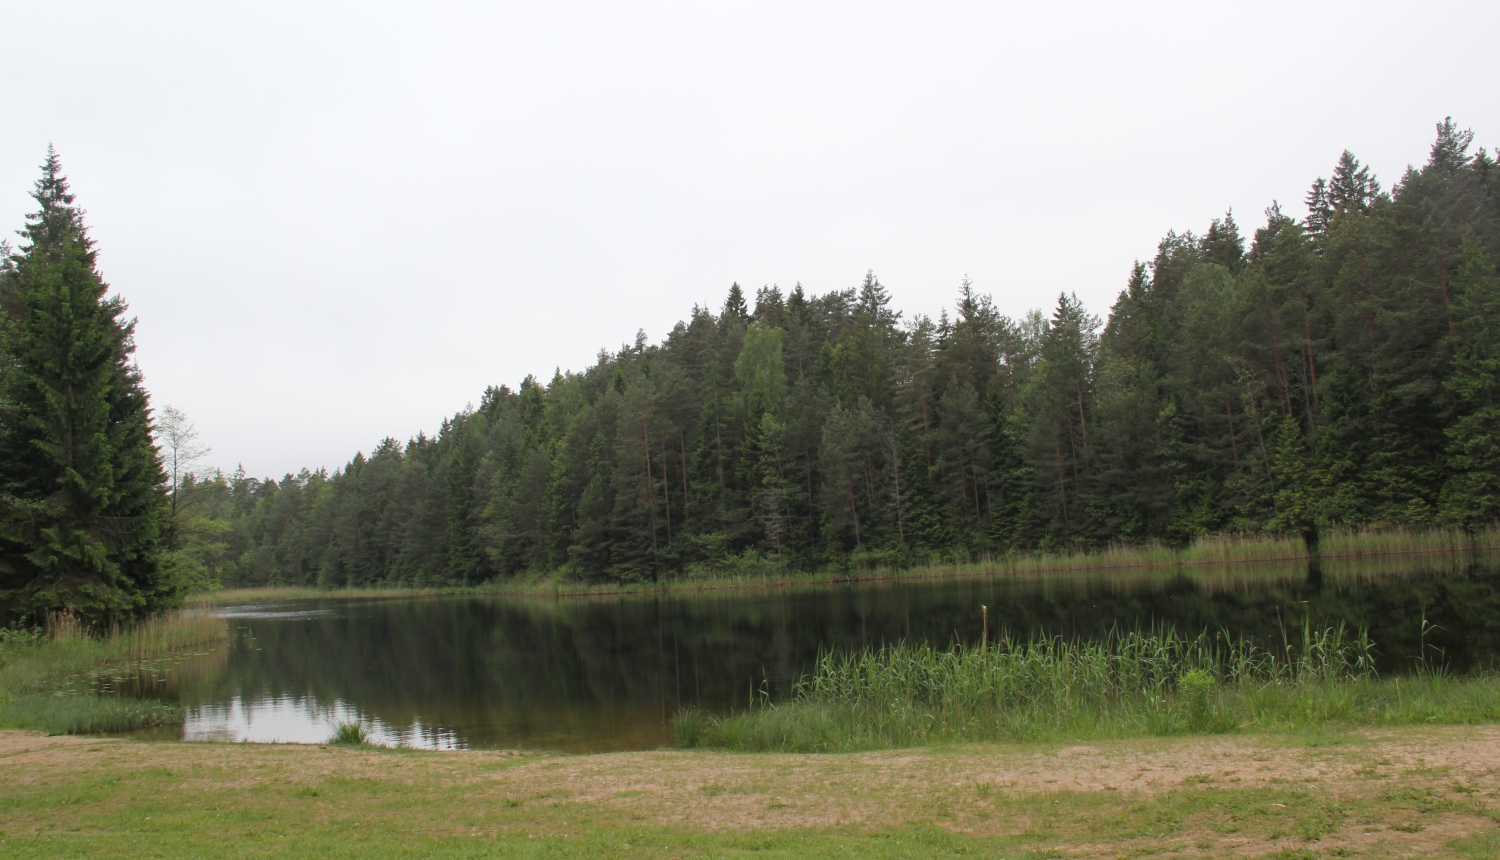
(46, 677)
(688, 728)
(351, 733)
(1134, 684)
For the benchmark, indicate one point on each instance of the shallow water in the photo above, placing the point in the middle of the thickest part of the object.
(607, 673)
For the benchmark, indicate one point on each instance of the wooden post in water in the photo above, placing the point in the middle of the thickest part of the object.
(984, 642)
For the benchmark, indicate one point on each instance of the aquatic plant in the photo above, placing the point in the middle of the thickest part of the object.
(47, 677)
(1130, 684)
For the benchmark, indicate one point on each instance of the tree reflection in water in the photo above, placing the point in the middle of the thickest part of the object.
(608, 673)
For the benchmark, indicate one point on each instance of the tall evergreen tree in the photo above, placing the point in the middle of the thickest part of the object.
(82, 491)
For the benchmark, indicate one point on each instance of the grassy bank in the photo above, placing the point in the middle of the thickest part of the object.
(1425, 793)
(49, 678)
(1133, 685)
(1340, 550)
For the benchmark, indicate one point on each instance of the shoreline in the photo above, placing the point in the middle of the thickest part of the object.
(1232, 553)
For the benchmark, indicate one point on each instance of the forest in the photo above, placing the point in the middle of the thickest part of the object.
(1334, 371)
(1342, 369)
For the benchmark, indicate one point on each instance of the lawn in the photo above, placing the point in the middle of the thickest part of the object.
(1413, 792)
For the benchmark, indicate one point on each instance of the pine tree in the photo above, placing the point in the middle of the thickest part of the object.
(1296, 484)
(1352, 188)
(82, 491)
(1222, 244)
(734, 304)
(1319, 212)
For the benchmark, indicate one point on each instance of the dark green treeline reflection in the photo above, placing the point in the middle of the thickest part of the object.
(608, 673)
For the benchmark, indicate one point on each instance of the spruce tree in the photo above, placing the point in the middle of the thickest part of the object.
(734, 304)
(1471, 496)
(1352, 188)
(82, 491)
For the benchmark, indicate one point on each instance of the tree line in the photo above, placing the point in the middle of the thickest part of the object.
(1339, 369)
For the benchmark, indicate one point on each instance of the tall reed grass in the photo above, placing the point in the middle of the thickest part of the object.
(1251, 554)
(1131, 684)
(48, 677)
(1247, 548)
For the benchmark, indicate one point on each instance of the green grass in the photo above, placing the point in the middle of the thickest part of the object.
(1132, 685)
(1358, 550)
(49, 679)
(216, 800)
(351, 734)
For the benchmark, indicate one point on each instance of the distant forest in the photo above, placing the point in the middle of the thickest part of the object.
(1338, 370)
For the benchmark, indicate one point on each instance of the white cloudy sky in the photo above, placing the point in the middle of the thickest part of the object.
(341, 221)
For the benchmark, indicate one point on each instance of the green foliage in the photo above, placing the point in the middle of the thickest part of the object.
(1471, 495)
(81, 484)
(1320, 378)
(1196, 689)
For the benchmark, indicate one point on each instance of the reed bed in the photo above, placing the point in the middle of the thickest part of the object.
(1134, 684)
(48, 677)
(1251, 548)
(1364, 542)
(1249, 554)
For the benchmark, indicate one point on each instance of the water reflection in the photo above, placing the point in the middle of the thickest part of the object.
(305, 720)
(604, 673)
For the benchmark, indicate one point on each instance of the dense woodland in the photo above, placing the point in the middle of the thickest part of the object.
(1338, 370)
(1342, 369)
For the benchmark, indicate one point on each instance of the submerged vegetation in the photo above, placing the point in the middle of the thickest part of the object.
(1128, 685)
(49, 677)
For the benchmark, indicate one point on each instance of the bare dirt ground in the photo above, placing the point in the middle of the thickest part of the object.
(1406, 793)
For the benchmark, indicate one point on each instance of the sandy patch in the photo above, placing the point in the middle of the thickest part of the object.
(19, 743)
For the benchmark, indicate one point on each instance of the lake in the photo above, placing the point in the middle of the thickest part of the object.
(592, 674)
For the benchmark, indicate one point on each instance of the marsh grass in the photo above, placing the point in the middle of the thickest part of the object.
(352, 733)
(1129, 685)
(48, 677)
(1334, 546)
(1241, 555)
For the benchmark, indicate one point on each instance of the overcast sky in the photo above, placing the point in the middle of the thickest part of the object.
(341, 221)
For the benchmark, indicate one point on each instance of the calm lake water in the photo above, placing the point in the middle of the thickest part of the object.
(608, 673)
